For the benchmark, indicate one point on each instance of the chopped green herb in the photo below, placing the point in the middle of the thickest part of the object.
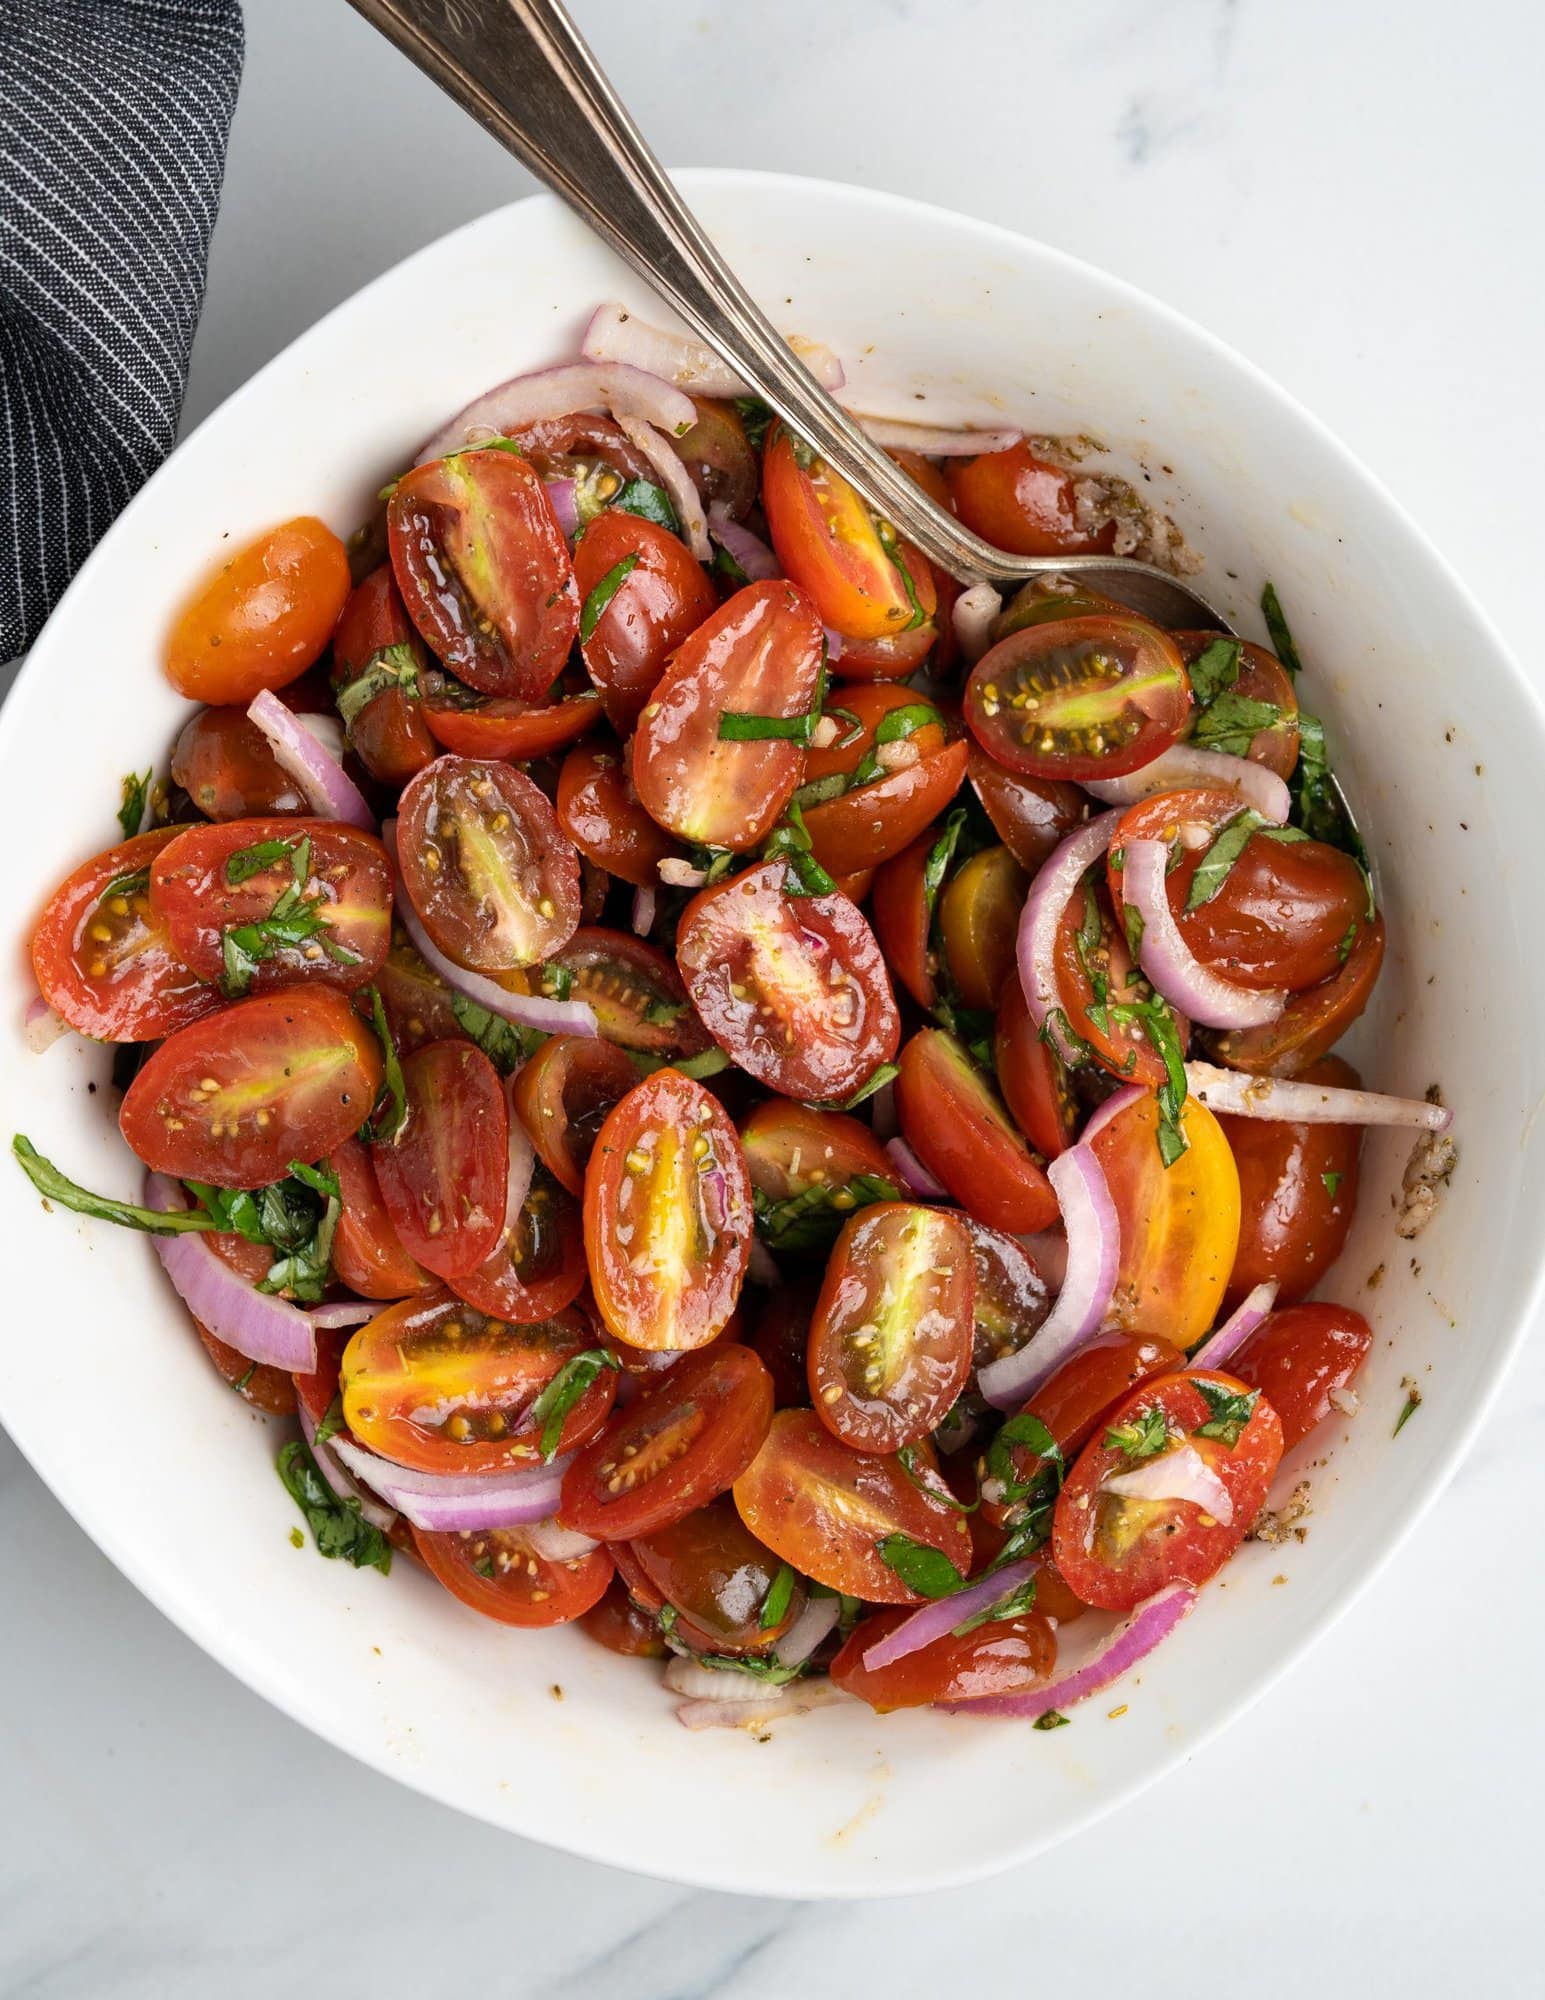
(389, 1113)
(1228, 844)
(820, 790)
(135, 797)
(1031, 1435)
(708, 1062)
(332, 1422)
(337, 1526)
(1277, 629)
(603, 593)
(935, 1488)
(891, 542)
(1318, 807)
(735, 727)
(755, 418)
(505, 1043)
(727, 567)
(263, 854)
(790, 843)
(886, 1073)
(295, 920)
(1348, 940)
(811, 1219)
(388, 667)
(1231, 723)
(763, 1667)
(1132, 919)
(1214, 670)
(920, 1566)
(775, 1605)
(1144, 1438)
(135, 883)
(1231, 1412)
(244, 1378)
(650, 503)
(940, 855)
(1413, 1403)
(55, 1186)
(1052, 1719)
(1013, 1604)
(557, 981)
(553, 1405)
(893, 726)
(1332, 1184)
(1157, 1022)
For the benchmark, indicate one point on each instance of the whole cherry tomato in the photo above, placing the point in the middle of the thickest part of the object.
(1314, 1020)
(1005, 1656)
(600, 812)
(224, 763)
(263, 617)
(378, 659)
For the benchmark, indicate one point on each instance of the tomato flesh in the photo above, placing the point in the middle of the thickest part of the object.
(956, 1124)
(1031, 816)
(1313, 1021)
(1010, 1299)
(495, 726)
(811, 1168)
(443, 1177)
(651, 595)
(979, 924)
(1003, 1657)
(538, 1265)
(367, 1251)
(498, 1573)
(1300, 1358)
(639, 1000)
(1032, 1076)
(263, 617)
(376, 643)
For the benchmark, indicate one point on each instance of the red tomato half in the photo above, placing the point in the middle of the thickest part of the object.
(265, 1388)
(600, 812)
(717, 1574)
(376, 646)
(499, 1573)
(1010, 1300)
(643, 593)
(562, 1094)
(1299, 1358)
(443, 1178)
(639, 1000)
(1258, 677)
(367, 1251)
(888, 772)
(263, 617)
(1313, 1021)
(1033, 1077)
(1023, 504)
(538, 1265)
(496, 726)
(1297, 1194)
(1030, 815)
(1005, 1656)
(234, 1098)
(954, 1121)
(223, 762)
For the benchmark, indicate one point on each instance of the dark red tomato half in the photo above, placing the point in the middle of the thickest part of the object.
(792, 987)
(678, 1445)
(101, 955)
(795, 1149)
(1115, 1549)
(216, 888)
(600, 812)
(954, 1121)
(496, 726)
(484, 570)
(1030, 815)
(1100, 989)
(890, 1340)
(642, 594)
(367, 1251)
(1085, 698)
(498, 1573)
(1023, 504)
(562, 1094)
(443, 1178)
(717, 1574)
(758, 657)
(1003, 1657)
(1010, 1300)
(234, 1098)
(377, 660)
(538, 1265)
(718, 455)
(419, 1005)
(618, 1624)
(224, 763)
(1302, 1357)
(639, 1000)
(1313, 1021)
(889, 771)
(488, 871)
(780, 1334)
(979, 909)
(266, 1388)
(1033, 1077)
(901, 907)
(1297, 1194)
(1258, 677)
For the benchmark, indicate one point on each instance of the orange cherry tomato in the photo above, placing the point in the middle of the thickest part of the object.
(1033, 1077)
(367, 1251)
(890, 1340)
(1258, 677)
(667, 1215)
(717, 1574)
(497, 1572)
(1297, 1194)
(265, 1388)
(827, 1509)
(1113, 1549)
(866, 582)
(562, 1094)
(1023, 504)
(955, 1122)
(979, 910)
(643, 593)
(1299, 1358)
(1031, 816)
(232, 1099)
(263, 617)
(444, 1176)
(1314, 1020)
(888, 773)
(600, 812)
(377, 646)
(1005, 1656)
(538, 1265)
(224, 764)
(758, 656)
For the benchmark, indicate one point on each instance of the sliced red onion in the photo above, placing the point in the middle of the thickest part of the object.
(761, 1269)
(1220, 1347)
(676, 480)
(1179, 768)
(935, 1620)
(835, 644)
(973, 613)
(327, 729)
(1111, 1657)
(265, 1329)
(559, 1545)
(678, 874)
(1094, 1253)
(1056, 881)
(1238, 1094)
(345, 1312)
(1108, 1112)
(882, 1112)
(328, 789)
(455, 1504)
(814, 1624)
(911, 1169)
(615, 334)
(793, 1698)
(561, 392)
(522, 1161)
(700, 1683)
(561, 498)
(532, 1010)
(1170, 965)
(748, 550)
(41, 1027)
(933, 440)
(644, 904)
(1182, 1474)
(346, 1488)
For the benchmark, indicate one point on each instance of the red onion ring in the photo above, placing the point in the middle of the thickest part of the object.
(676, 480)
(933, 440)
(972, 615)
(559, 1545)
(1181, 1474)
(940, 1617)
(814, 1624)
(1114, 1655)
(700, 1683)
(794, 1698)
(265, 1329)
(916, 1176)
(1094, 1252)
(615, 334)
(1238, 1094)
(41, 1027)
(344, 1312)
(644, 906)
(330, 792)
(346, 1488)
(1108, 1112)
(748, 550)
(453, 1504)
(561, 498)
(1182, 766)
(1220, 1347)
(1168, 962)
(560, 392)
(1056, 881)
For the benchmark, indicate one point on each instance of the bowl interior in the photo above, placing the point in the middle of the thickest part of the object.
(544, 1733)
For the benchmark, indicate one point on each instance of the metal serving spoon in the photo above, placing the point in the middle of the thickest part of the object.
(523, 71)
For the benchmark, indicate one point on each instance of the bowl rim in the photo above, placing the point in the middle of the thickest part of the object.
(182, 1606)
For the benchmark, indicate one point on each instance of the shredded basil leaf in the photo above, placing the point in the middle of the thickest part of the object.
(906, 1458)
(603, 593)
(1052, 1719)
(727, 567)
(295, 920)
(1318, 806)
(1145, 1437)
(55, 1186)
(505, 1043)
(388, 667)
(332, 1422)
(1230, 1412)
(890, 541)
(919, 1565)
(735, 727)
(755, 419)
(1012, 1605)
(1277, 629)
(775, 1605)
(1332, 1184)
(1412, 1404)
(790, 843)
(811, 1219)
(135, 792)
(1228, 844)
(886, 1073)
(1213, 670)
(1231, 724)
(337, 1526)
(1158, 1024)
(895, 724)
(553, 1405)
(389, 1113)
(650, 503)
(939, 857)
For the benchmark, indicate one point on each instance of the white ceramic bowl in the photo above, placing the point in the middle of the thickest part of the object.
(105, 1390)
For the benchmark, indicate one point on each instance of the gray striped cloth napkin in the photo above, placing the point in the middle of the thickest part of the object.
(113, 123)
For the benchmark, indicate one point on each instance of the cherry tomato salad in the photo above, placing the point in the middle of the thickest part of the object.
(741, 1095)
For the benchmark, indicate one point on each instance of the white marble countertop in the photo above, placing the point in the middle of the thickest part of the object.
(1350, 195)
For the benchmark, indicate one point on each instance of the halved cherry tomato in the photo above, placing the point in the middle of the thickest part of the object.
(538, 1265)
(1047, 600)
(1105, 998)
(887, 773)
(419, 1005)
(496, 726)
(901, 910)
(1286, 913)
(826, 1508)
(579, 447)
(667, 1215)
(890, 1340)
(223, 762)
(600, 812)
(718, 455)
(643, 593)
(314, 1393)
(781, 1336)
(367, 1251)
(266, 1388)
(1031, 816)
(562, 1094)
(1299, 1358)
(1005, 1656)
(495, 882)
(101, 955)
(639, 1000)
(866, 582)
(884, 659)
(1010, 1299)
(1297, 1194)
(263, 616)
(618, 1624)
(814, 1167)
(1313, 1021)
(1023, 504)
(954, 1121)
(678, 1445)
(326, 888)
(1115, 1550)
(1033, 1077)
(378, 658)
(758, 656)
(979, 910)
(484, 570)
(1179, 1224)
(792, 987)
(717, 1574)
(1258, 677)
(497, 1572)
(234, 1098)
(444, 1176)
(1084, 698)
(436, 1385)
